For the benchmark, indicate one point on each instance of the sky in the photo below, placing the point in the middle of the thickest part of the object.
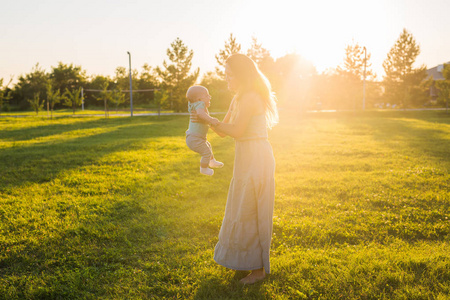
(96, 34)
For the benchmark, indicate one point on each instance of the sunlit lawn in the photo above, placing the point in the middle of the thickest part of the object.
(116, 209)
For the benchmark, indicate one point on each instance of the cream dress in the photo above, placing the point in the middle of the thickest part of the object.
(246, 232)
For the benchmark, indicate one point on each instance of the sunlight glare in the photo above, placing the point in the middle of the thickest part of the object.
(313, 29)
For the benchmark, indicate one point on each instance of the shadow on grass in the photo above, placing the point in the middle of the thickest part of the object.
(220, 288)
(412, 129)
(41, 162)
(432, 116)
(55, 127)
(85, 260)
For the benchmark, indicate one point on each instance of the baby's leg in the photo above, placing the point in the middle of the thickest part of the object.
(206, 153)
(213, 163)
(206, 157)
(210, 147)
(199, 145)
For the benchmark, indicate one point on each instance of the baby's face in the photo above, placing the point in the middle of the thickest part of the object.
(206, 97)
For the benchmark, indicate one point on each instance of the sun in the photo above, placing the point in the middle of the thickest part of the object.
(317, 30)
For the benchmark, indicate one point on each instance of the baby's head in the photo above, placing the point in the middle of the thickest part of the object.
(198, 93)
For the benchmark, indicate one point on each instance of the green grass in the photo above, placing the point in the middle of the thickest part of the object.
(115, 208)
(79, 112)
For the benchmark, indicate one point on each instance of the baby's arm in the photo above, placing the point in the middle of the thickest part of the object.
(202, 113)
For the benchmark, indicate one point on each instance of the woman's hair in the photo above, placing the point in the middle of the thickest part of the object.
(251, 79)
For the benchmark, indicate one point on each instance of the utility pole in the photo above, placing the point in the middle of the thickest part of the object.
(364, 80)
(82, 98)
(131, 86)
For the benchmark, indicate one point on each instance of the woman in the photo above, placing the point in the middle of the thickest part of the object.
(246, 232)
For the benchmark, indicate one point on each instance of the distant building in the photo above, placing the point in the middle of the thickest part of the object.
(436, 74)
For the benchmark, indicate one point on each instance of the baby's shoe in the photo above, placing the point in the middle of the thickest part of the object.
(207, 171)
(215, 164)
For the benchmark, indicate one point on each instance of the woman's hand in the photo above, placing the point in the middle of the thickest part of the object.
(214, 122)
(202, 116)
(194, 117)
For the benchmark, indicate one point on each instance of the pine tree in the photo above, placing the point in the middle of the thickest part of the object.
(176, 77)
(257, 52)
(218, 89)
(350, 77)
(354, 63)
(231, 47)
(264, 60)
(403, 83)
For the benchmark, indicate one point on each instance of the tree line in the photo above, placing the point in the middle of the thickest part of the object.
(294, 79)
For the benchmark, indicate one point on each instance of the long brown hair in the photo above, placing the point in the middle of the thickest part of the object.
(250, 78)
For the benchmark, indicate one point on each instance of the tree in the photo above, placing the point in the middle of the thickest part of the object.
(231, 47)
(72, 98)
(96, 82)
(36, 103)
(53, 97)
(292, 80)
(147, 81)
(354, 62)
(403, 83)
(351, 76)
(28, 85)
(105, 96)
(160, 98)
(257, 52)
(4, 96)
(176, 77)
(444, 86)
(117, 97)
(264, 60)
(218, 89)
(65, 76)
(122, 78)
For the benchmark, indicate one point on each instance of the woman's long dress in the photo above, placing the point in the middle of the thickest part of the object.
(246, 232)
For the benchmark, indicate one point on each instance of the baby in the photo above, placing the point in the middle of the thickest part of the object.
(199, 100)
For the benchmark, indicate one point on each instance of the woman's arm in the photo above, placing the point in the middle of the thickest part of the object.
(226, 119)
(221, 134)
(202, 115)
(230, 109)
(249, 105)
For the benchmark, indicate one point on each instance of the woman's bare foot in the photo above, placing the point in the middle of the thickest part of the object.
(254, 276)
(238, 275)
